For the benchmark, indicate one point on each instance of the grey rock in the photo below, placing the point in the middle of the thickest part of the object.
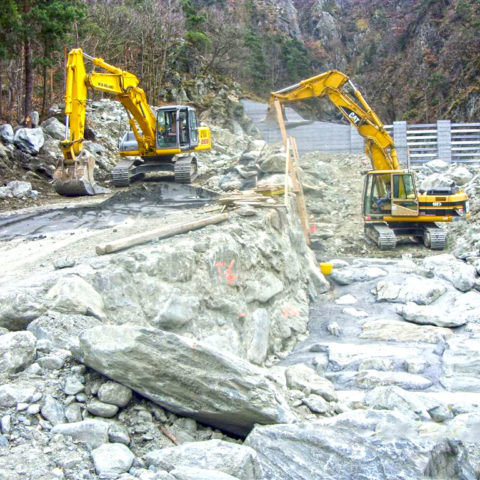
(73, 294)
(274, 163)
(115, 394)
(53, 127)
(403, 332)
(144, 359)
(6, 133)
(449, 460)
(355, 445)
(92, 432)
(73, 413)
(230, 458)
(73, 384)
(112, 459)
(257, 333)
(51, 362)
(422, 291)
(372, 378)
(461, 175)
(458, 273)
(100, 409)
(316, 404)
(118, 433)
(6, 424)
(431, 315)
(461, 364)
(29, 140)
(63, 262)
(348, 275)
(177, 311)
(192, 473)
(264, 288)
(396, 398)
(21, 190)
(440, 413)
(13, 393)
(53, 411)
(20, 305)
(17, 351)
(301, 377)
(62, 330)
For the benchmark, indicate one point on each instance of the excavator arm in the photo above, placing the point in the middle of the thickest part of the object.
(379, 144)
(74, 175)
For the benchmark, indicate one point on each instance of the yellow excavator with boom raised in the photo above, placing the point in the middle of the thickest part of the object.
(160, 140)
(392, 206)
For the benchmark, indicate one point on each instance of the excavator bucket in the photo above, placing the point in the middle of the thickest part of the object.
(76, 179)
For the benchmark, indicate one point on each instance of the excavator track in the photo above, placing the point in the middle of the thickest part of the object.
(121, 173)
(186, 170)
(434, 238)
(383, 236)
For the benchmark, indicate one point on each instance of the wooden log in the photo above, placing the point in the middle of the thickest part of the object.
(158, 233)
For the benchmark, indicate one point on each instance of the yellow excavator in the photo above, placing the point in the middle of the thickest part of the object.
(160, 140)
(392, 206)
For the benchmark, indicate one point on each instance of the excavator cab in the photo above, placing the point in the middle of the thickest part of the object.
(177, 127)
(390, 193)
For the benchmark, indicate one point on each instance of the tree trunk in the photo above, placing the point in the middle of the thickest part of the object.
(27, 55)
(44, 94)
(1, 93)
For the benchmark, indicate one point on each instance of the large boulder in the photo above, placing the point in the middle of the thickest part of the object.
(393, 330)
(229, 458)
(461, 365)
(458, 273)
(422, 291)
(29, 140)
(431, 315)
(186, 377)
(53, 127)
(373, 445)
(348, 275)
(6, 133)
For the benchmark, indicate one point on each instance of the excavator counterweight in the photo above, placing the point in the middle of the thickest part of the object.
(159, 140)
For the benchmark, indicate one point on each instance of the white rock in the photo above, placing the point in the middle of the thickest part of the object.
(422, 291)
(403, 332)
(112, 459)
(29, 140)
(72, 294)
(347, 299)
(115, 394)
(17, 351)
(301, 377)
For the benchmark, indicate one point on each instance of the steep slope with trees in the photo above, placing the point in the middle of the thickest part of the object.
(419, 59)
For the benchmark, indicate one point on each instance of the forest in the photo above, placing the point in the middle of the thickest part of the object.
(419, 60)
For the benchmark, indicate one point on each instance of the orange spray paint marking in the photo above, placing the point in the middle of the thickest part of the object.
(219, 266)
(229, 276)
(313, 228)
(290, 312)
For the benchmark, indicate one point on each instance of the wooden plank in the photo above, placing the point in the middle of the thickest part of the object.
(301, 206)
(281, 122)
(164, 232)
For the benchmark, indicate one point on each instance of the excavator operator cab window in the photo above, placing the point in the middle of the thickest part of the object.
(173, 128)
(377, 194)
(404, 202)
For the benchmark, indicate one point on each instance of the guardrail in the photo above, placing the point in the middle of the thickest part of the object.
(451, 142)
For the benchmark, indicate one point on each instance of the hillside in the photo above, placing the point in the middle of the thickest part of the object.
(416, 60)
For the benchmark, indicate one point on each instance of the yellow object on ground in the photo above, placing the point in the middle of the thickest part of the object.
(326, 268)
